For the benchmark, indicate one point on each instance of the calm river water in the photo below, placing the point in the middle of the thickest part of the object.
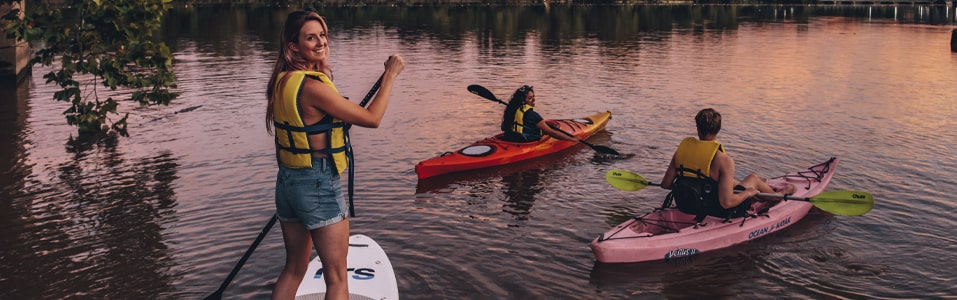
(168, 212)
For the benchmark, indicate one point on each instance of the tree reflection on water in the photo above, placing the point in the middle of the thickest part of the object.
(102, 215)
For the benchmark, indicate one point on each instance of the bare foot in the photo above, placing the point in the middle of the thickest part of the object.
(789, 189)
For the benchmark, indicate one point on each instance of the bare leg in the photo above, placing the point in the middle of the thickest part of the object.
(332, 245)
(298, 247)
(762, 186)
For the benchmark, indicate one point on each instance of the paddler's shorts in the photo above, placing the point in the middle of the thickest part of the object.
(311, 196)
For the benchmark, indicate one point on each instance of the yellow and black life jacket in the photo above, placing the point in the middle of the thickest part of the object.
(292, 134)
(694, 156)
(518, 122)
(694, 191)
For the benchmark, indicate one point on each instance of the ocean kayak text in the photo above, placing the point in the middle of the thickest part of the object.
(767, 229)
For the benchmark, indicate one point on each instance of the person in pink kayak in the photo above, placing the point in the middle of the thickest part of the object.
(521, 123)
(311, 121)
(701, 175)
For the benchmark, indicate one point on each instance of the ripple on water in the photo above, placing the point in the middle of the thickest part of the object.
(184, 197)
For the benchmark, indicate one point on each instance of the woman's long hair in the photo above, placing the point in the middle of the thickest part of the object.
(518, 99)
(289, 60)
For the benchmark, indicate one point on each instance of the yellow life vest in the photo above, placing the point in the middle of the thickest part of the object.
(696, 155)
(694, 191)
(292, 133)
(518, 123)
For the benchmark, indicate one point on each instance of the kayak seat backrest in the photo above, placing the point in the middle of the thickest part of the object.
(699, 196)
(694, 195)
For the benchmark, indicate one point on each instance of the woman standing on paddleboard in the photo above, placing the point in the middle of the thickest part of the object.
(311, 122)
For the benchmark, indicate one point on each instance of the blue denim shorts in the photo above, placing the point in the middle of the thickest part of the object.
(311, 196)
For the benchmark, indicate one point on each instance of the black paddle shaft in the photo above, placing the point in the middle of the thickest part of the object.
(249, 252)
(368, 97)
(372, 91)
(483, 92)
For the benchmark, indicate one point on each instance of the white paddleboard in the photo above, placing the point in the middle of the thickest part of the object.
(370, 273)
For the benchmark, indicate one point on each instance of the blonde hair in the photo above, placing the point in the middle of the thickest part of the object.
(288, 60)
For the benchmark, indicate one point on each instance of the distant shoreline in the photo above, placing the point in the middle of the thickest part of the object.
(287, 3)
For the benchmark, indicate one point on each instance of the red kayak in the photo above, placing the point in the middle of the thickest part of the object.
(494, 151)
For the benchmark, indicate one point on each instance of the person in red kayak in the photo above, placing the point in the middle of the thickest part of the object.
(521, 123)
(701, 175)
(310, 119)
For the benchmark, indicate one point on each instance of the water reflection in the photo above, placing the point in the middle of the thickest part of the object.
(497, 26)
(17, 240)
(223, 32)
(707, 275)
(98, 227)
(520, 192)
(504, 30)
(109, 219)
(618, 214)
(516, 184)
(13, 140)
(718, 273)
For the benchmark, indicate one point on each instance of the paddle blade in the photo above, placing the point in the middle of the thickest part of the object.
(218, 295)
(603, 149)
(625, 180)
(483, 92)
(844, 202)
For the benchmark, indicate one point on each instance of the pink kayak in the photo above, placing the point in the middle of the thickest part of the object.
(670, 233)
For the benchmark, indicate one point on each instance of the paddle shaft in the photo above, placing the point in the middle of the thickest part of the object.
(788, 197)
(249, 252)
(487, 94)
(559, 129)
(368, 97)
(841, 202)
(372, 91)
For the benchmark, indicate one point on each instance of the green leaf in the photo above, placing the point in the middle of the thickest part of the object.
(101, 39)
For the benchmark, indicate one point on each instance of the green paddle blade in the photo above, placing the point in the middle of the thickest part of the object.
(844, 202)
(625, 180)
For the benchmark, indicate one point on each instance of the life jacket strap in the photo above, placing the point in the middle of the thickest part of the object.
(311, 129)
(310, 151)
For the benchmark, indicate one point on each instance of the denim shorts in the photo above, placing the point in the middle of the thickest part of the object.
(311, 196)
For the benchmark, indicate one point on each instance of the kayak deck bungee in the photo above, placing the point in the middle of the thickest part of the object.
(494, 151)
(669, 233)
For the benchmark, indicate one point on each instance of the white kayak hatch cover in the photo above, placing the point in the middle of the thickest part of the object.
(477, 150)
